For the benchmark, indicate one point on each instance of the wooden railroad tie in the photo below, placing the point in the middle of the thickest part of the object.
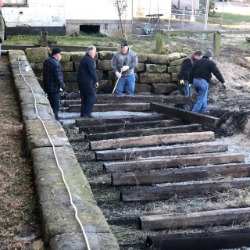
(152, 140)
(171, 175)
(197, 219)
(181, 189)
(197, 241)
(143, 132)
(127, 154)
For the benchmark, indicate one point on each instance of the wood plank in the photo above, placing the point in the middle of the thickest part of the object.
(105, 128)
(152, 140)
(143, 132)
(120, 118)
(208, 121)
(113, 107)
(181, 189)
(196, 241)
(196, 219)
(138, 98)
(173, 162)
(135, 153)
(180, 175)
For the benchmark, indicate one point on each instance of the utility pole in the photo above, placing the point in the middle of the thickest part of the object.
(206, 18)
(192, 18)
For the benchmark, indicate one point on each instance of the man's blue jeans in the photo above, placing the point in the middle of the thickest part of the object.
(185, 90)
(201, 86)
(128, 82)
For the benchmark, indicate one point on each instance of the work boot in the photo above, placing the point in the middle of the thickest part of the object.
(89, 116)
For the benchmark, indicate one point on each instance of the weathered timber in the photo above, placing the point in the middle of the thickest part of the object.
(113, 107)
(205, 241)
(152, 140)
(185, 115)
(135, 153)
(173, 162)
(137, 98)
(119, 119)
(180, 175)
(196, 219)
(143, 98)
(121, 126)
(143, 132)
(182, 189)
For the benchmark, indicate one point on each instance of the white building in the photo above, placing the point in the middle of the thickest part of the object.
(31, 16)
(75, 16)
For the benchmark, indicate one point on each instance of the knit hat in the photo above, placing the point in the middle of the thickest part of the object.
(56, 51)
(124, 44)
(209, 53)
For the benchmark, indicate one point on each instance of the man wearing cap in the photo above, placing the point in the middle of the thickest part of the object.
(200, 76)
(53, 80)
(87, 80)
(123, 63)
(183, 75)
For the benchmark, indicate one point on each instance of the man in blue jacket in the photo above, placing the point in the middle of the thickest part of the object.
(87, 80)
(53, 80)
(200, 76)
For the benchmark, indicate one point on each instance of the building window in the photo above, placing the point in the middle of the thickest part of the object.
(14, 3)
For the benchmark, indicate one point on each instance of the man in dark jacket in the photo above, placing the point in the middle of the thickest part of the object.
(200, 76)
(53, 80)
(183, 75)
(87, 80)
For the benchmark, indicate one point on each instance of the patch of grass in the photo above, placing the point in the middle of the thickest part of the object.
(80, 40)
(230, 17)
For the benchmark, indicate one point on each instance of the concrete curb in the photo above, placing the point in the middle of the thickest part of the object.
(61, 229)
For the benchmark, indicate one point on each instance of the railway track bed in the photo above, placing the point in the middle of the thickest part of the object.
(162, 178)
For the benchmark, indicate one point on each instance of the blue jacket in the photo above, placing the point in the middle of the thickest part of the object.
(52, 76)
(86, 73)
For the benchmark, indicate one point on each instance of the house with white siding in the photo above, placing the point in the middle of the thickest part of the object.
(75, 16)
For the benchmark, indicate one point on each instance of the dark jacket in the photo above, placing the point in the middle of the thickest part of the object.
(185, 68)
(52, 76)
(86, 73)
(204, 68)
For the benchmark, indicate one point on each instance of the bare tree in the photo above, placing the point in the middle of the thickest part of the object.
(121, 7)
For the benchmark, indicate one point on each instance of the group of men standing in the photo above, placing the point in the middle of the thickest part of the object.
(196, 69)
(123, 63)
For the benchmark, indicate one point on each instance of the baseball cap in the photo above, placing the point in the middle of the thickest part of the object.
(124, 44)
(56, 51)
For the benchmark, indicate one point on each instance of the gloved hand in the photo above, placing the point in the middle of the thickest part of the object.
(124, 68)
(97, 85)
(118, 74)
(181, 82)
(62, 89)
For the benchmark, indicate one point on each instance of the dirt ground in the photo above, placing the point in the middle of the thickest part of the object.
(19, 220)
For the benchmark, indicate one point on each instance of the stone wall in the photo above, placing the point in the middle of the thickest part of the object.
(154, 73)
(58, 177)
